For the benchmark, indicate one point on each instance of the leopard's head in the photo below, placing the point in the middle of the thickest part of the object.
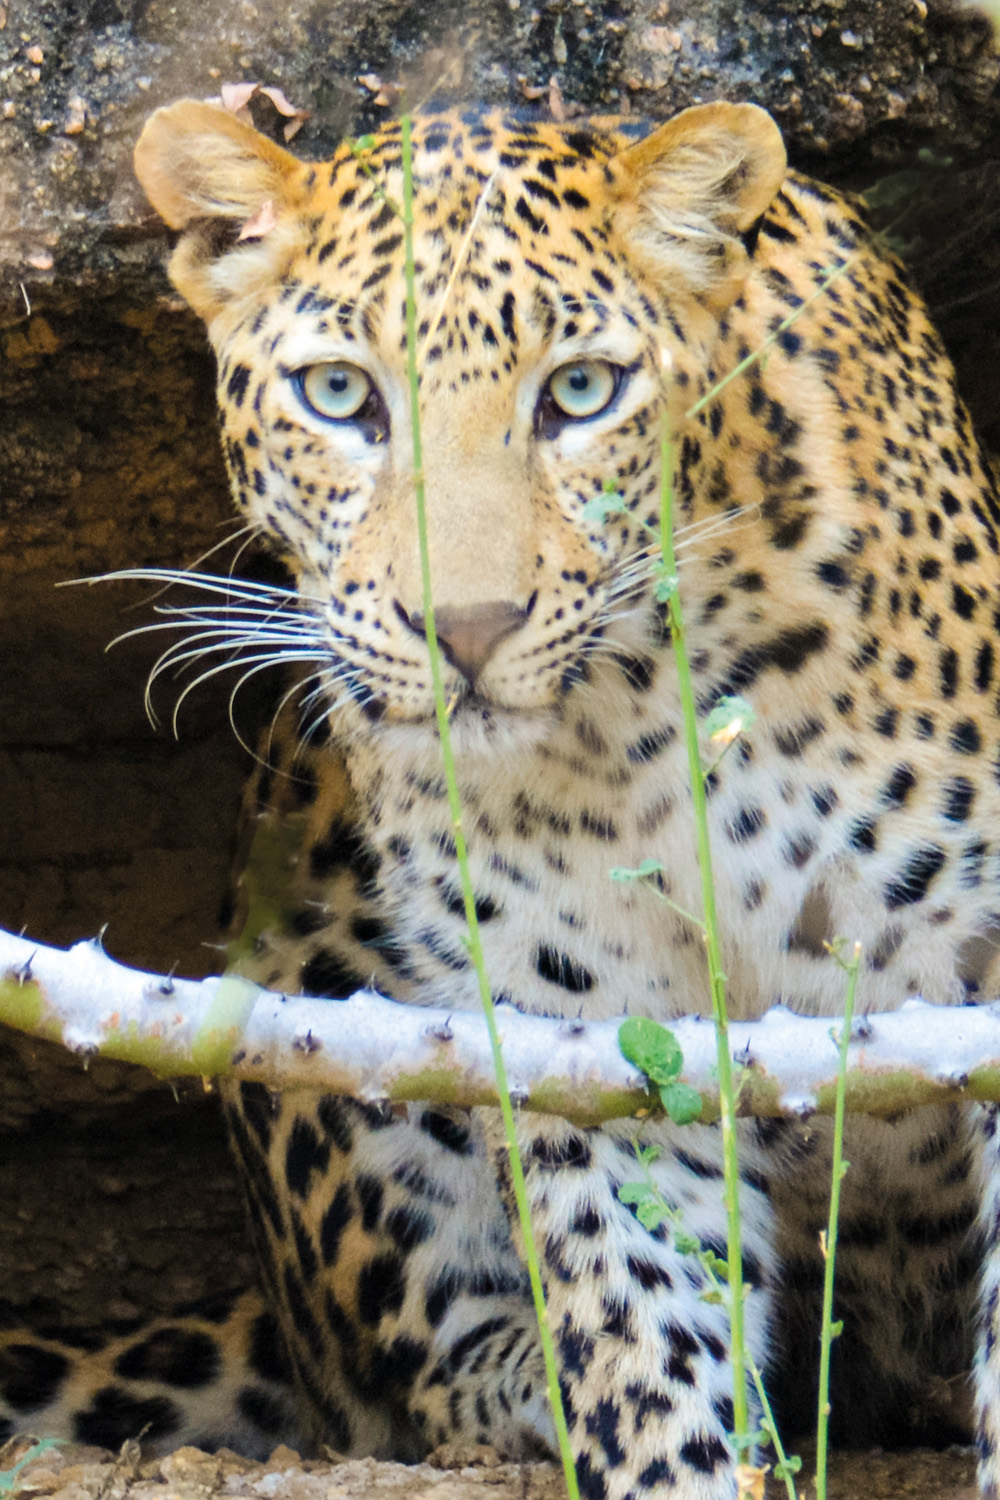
(569, 282)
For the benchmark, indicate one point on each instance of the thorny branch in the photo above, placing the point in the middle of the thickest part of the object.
(376, 1049)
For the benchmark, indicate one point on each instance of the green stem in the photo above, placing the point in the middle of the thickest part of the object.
(839, 1167)
(784, 1464)
(717, 981)
(461, 849)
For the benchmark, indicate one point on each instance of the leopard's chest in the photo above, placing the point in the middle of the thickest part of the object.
(582, 855)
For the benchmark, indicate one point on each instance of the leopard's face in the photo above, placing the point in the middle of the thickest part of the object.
(549, 344)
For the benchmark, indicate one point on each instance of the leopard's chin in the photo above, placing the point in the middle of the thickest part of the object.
(477, 728)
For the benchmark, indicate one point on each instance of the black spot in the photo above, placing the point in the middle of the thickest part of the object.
(587, 1222)
(570, 1150)
(863, 835)
(603, 1423)
(236, 387)
(113, 1417)
(302, 1316)
(262, 1410)
(899, 786)
(329, 977)
(959, 794)
(381, 1288)
(746, 825)
(332, 1115)
(590, 1481)
(453, 1135)
(371, 1195)
(334, 1222)
(29, 1375)
(706, 1169)
(304, 1249)
(658, 1472)
(267, 1356)
(305, 1154)
(910, 886)
(965, 737)
(258, 1110)
(704, 1453)
(472, 1340)
(183, 1357)
(576, 1350)
(648, 1274)
(409, 1227)
(441, 1294)
(559, 968)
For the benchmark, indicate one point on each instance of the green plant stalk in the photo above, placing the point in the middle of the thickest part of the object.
(717, 981)
(772, 1428)
(461, 850)
(836, 1174)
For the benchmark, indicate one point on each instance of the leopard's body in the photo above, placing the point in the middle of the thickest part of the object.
(838, 564)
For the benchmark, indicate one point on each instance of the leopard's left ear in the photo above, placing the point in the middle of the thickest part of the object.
(695, 185)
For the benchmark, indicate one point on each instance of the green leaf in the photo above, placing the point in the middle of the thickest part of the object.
(652, 1214)
(685, 1243)
(836, 1329)
(652, 1048)
(666, 588)
(681, 1102)
(729, 717)
(633, 1192)
(611, 502)
(789, 1467)
(364, 143)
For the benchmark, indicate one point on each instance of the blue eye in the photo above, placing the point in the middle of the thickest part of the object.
(584, 387)
(334, 390)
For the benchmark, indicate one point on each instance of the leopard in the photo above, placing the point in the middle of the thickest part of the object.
(603, 307)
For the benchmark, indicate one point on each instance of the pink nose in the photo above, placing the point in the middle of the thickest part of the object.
(470, 634)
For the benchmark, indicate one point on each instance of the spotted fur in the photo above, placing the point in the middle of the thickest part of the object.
(838, 545)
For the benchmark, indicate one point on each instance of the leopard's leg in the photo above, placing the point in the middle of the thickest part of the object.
(643, 1344)
(987, 1362)
(386, 1248)
(906, 1273)
(213, 1376)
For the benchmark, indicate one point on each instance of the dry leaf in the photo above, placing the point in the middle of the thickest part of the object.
(236, 98)
(259, 223)
(557, 108)
(386, 94)
(749, 1482)
(532, 91)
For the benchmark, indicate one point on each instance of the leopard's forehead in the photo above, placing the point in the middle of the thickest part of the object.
(514, 238)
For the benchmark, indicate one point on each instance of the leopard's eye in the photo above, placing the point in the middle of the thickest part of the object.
(584, 387)
(334, 390)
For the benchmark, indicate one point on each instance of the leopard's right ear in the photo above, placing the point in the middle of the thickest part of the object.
(230, 190)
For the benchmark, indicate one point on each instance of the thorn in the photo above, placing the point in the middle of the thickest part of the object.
(306, 1042)
(98, 941)
(442, 1031)
(166, 984)
(22, 972)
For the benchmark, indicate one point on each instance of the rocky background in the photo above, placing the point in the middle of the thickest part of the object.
(116, 1197)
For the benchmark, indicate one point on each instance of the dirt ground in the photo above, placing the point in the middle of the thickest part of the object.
(73, 1472)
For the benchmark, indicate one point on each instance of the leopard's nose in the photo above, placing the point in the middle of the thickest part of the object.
(469, 634)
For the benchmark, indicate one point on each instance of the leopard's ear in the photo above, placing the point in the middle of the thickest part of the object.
(696, 185)
(230, 190)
